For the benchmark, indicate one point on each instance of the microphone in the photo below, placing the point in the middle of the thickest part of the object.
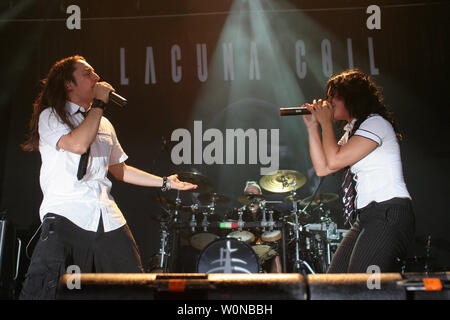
(294, 111)
(119, 100)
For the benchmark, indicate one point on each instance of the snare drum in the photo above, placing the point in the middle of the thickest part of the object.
(245, 236)
(200, 240)
(228, 255)
(271, 236)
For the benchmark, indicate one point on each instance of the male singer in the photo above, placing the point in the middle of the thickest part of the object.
(81, 223)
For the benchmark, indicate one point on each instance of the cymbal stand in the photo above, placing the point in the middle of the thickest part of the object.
(193, 223)
(427, 267)
(263, 220)
(298, 262)
(270, 223)
(162, 251)
(240, 220)
(175, 235)
(205, 222)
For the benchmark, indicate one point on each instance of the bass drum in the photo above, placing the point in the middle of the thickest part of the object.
(228, 255)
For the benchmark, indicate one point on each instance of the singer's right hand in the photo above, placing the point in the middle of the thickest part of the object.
(102, 90)
(309, 120)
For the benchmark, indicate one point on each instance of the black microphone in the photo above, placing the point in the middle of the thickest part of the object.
(119, 100)
(294, 111)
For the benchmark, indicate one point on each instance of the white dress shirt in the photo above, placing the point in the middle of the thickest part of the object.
(379, 175)
(82, 202)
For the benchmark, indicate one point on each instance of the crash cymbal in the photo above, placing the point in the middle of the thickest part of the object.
(249, 198)
(320, 198)
(282, 181)
(213, 197)
(204, 185)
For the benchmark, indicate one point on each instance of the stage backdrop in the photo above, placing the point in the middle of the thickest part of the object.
(202, 70)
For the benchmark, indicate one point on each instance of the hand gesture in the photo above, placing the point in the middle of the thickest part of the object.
(321, 110)
(179, 185)
(102, 90)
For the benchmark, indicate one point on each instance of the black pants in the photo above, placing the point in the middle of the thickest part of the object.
(62, 244)
(382, 232)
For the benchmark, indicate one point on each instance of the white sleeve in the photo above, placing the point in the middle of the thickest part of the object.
(51, 128)
(373, 128)
(117, 153)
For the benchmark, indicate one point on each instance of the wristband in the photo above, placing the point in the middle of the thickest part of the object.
(165, 185)
(97, 103)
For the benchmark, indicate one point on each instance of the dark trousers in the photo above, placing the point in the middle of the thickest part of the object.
(63, 244)
(382, 232)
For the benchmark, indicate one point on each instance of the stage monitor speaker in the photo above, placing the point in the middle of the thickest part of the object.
(182, 286)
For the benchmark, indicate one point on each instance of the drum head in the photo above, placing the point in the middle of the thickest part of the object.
(228, 255)
(271, 236)
(243, 235)
(200, 240)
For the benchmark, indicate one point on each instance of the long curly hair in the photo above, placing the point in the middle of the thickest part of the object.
(362, 97)
(53, 95)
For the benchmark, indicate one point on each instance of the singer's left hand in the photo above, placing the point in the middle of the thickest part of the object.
(180, 185)
(322, 111)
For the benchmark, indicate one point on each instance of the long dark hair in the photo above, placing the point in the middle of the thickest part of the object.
(53, 95)
(362, 97)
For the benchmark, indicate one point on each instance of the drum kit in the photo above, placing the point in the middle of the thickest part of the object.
(254, 238)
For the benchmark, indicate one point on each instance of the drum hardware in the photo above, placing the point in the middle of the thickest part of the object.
(263, 220)
(163, 251)
(299, 263)
(205, 222)
(240, 220)
(193, 223)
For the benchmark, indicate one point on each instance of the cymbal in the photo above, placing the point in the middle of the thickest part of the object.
(282, 181)
(204, 185)
(213, 197)
(248, 198)
(320, 198)
(291, 198)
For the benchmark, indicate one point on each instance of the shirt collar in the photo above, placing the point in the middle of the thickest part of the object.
(349, 126)
(73, 107)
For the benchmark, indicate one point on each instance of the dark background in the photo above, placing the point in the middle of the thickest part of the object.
(411, 52)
